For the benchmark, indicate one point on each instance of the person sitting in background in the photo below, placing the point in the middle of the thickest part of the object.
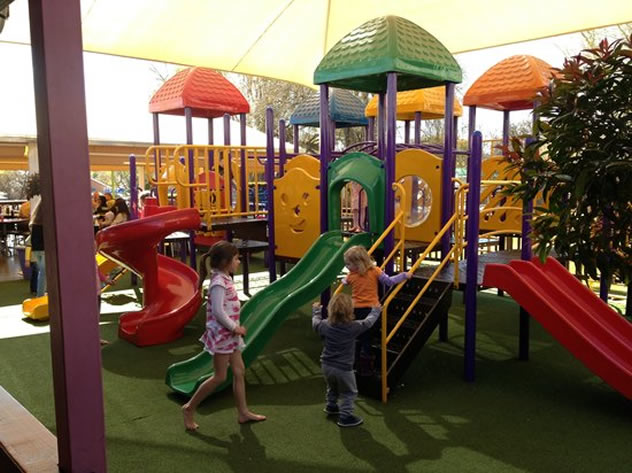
(141, 203)
(25, 210)
(102, 206)
(119, 213)
(109, 200)
(95, 201)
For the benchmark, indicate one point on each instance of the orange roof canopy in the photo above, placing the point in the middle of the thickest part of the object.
(512, 84)
(206, 92)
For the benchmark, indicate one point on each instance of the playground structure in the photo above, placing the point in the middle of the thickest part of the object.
(352, 166)
(84, 447)
(409, 316)
(231, 185)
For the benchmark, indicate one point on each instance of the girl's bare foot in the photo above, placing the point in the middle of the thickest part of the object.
(189, 422)
(250, 417)
(104, 342)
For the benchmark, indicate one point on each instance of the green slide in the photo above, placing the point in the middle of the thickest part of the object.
(264, 313)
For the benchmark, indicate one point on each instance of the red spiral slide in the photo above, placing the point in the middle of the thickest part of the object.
(170, 288)
(585, 325)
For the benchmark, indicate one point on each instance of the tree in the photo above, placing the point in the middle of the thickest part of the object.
(14, 184)
(283, 97)
(591, 38)
(582, 162)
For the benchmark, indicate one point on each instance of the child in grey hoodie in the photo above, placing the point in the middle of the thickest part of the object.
(339, 333)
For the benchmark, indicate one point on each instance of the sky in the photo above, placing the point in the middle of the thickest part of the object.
(118, 91)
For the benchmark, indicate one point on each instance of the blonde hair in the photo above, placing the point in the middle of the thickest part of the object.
(340, 309)
(358, 256)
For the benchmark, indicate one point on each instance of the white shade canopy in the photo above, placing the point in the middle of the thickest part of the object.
(286, 39)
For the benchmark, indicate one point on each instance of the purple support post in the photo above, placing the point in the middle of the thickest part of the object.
(371, 129)
(455, 135)
(417, 128)
(325, 153)
(526, 254)
(226, 129)
(332, 131)
(381, 117)
(133, 188)
(389, 163)
(367, 137)
(471, 127)
(211, 141)
(270, 191)
(156, 123)
(188, 117)
(447, 197)
(471, 283)
(282, 150)
(603, 287)
(243, 184)
(506, 124)
(295, 138)
(228, 172)
(523, 343)
(133, 200)
(407, 131)
(62, 143)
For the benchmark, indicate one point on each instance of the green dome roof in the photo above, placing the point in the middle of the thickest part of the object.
(345, 109)
(362, 59)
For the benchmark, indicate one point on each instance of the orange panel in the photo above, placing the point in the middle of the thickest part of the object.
(512, 84)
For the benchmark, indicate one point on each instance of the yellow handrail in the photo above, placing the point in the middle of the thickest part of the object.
(150, 163)
(500, 232)
(500, 207)
(496, 182)
(211, 200)
(458, 219)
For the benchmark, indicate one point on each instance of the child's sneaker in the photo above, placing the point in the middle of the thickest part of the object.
(349, 421)
(331, 410)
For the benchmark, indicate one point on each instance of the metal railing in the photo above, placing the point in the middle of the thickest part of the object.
(458, 220)
(210, 175)
(505, 211)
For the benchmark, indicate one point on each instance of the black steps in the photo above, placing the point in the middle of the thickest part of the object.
(403, 348)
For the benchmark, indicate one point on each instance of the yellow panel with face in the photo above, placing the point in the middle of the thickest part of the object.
(306, 162)
(296, 212)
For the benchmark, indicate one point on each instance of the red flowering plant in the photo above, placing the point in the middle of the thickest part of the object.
(581, 162)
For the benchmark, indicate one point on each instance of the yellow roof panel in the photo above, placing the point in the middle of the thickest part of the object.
(430, 102)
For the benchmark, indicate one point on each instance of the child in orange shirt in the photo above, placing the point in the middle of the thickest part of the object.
(363, 278)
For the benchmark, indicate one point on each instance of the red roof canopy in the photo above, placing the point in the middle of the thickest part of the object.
(207, 92)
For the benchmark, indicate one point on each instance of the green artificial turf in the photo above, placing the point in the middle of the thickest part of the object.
(546, 415)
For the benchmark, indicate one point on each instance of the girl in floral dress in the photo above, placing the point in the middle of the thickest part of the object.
(223, 337)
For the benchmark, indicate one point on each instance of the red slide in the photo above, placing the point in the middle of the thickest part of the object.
(170, 288)
(594, 333)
